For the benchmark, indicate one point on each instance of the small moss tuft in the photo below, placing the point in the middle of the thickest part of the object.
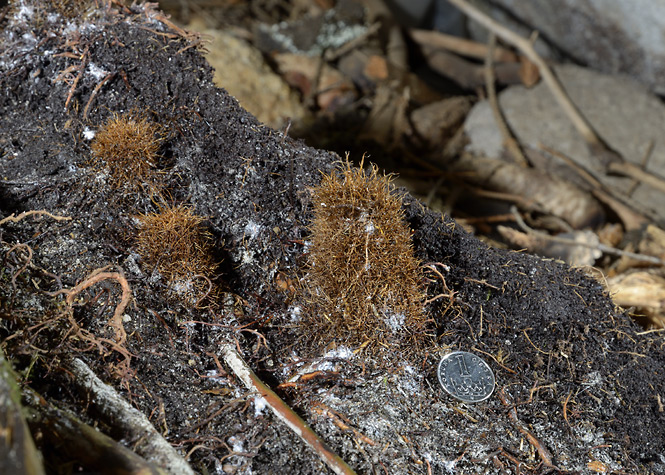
(363, 280)
(175, 241)
(129, 146)
(72, 8)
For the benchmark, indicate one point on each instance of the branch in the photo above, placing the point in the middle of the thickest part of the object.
(283, 411)
(508, 138)
(137, 428)
(571, 242)
(461, 46)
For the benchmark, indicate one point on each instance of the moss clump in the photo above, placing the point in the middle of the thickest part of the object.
(72, 8)
(363, 281)
(38, 11)
(175, 241)
(129, 146)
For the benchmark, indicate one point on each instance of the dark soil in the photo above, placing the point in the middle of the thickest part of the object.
(585, 381)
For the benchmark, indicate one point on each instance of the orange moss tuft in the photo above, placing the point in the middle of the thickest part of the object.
(40, 9)
(72, 8)
(175, 241)
(129, 147)
(363, 280)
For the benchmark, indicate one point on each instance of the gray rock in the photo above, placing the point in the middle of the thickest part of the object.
(608, 35)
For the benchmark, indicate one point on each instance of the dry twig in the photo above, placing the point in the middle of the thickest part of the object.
(571, 242)
(461, 46)
(508, 138)
(544, 453)
(632, 215)
(283, 411)
(633, 171)
(340, 421)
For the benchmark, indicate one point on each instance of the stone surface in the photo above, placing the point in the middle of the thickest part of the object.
(612, 36)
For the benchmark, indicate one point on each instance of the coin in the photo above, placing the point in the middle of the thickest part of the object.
(466, 376)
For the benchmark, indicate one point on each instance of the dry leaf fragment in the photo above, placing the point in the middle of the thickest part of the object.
(376, 68)
(653, 242)
(574, 255)
(310, 77)
(437, 122)
(611, 234)
(547, 193)
(597, 466)
(643, 290)
(529, 73)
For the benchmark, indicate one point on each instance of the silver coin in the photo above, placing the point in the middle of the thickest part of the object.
(466, 376)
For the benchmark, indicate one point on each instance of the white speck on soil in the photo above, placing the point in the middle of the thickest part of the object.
(341, 352)
(24, 13)
(450, 465)
(252, 229)
(88, 134)
(212, 375)
(96, 72)
(592, 379)
(236, 444)
(294, 313)
(259, 405)
(394, 321)
(409, 381)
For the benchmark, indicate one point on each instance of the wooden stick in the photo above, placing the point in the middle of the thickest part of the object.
(571, 242)
(461, 46)
(89, 447)
(283, 411)
(509, 139)
(604, 152)
(637, 173)
(544, 453)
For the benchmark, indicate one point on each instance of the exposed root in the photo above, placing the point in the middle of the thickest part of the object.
(450, 294)
(544, 453)
(99, 275)
(39, 212)
(16, 247)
